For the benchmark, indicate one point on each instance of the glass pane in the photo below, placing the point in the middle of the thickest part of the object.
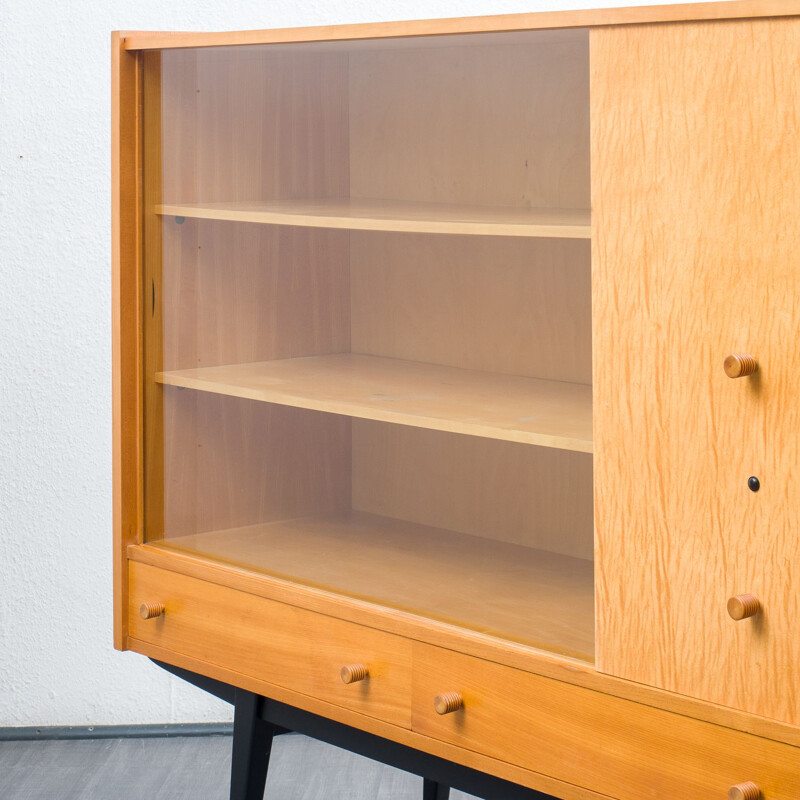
(368, 322)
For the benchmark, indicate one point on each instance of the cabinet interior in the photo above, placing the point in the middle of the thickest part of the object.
(367, 322)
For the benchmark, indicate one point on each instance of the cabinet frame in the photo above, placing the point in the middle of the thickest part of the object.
(128, 428)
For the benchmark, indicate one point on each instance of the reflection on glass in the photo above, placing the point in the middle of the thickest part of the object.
(367, 322)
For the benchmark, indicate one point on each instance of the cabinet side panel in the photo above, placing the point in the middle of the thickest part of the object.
(696, 254)
(126, 321)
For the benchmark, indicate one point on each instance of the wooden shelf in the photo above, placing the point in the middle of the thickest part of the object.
(512, 408)
(385, 215)
(530, 596)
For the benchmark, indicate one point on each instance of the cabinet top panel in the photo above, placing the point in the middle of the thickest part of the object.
(730, 9)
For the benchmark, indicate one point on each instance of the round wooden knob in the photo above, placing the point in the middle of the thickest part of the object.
(744, 791)
(737, 365)
(448, 702)
(353, 673)
(151, 610)
(741, 606)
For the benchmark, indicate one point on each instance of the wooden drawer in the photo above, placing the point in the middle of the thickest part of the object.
(615, 747)
(281, 644)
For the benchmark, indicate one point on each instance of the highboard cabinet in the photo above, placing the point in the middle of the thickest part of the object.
(457, 385)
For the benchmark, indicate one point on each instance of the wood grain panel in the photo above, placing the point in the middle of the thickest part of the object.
(612, 746)
(126, 327)
(696, 180)
(493, 125)
(289, 646)
(514, 306)
(532, 496)
(136, 40)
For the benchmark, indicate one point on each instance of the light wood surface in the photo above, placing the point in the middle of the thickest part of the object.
(530, 596)
(446, 125)
(385, 215)
(512, 305)
(291, 647)
(137, 40)
(547, 413)
(677, 238)
(126, 331)
(538, 497)
(480, 645)
(590, 739)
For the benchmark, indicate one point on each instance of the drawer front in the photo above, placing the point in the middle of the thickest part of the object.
(278, 643)
(615, 747)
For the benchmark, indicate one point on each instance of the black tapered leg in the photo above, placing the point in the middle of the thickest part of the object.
(434, 791)
(252, 744)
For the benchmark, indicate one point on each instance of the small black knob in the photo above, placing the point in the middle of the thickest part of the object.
(753, 483)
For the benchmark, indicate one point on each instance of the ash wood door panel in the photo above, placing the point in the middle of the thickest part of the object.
(696, 254)
(616, 747)
(278, 643)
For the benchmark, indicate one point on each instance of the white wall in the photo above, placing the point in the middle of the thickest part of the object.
(57, 665)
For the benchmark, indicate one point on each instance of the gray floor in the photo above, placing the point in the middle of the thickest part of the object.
(191, 769)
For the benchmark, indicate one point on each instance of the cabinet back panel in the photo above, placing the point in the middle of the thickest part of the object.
(512, 305)
(491, 125)
(235, 293)
(251, 124)
(231, 462)
(696, 170)
(532, 496)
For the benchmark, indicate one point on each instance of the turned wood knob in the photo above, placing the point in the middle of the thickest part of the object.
(741, 606)
(353, 673)
(151, 610)
(737, 365)
(744, 791)
(448, 702)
